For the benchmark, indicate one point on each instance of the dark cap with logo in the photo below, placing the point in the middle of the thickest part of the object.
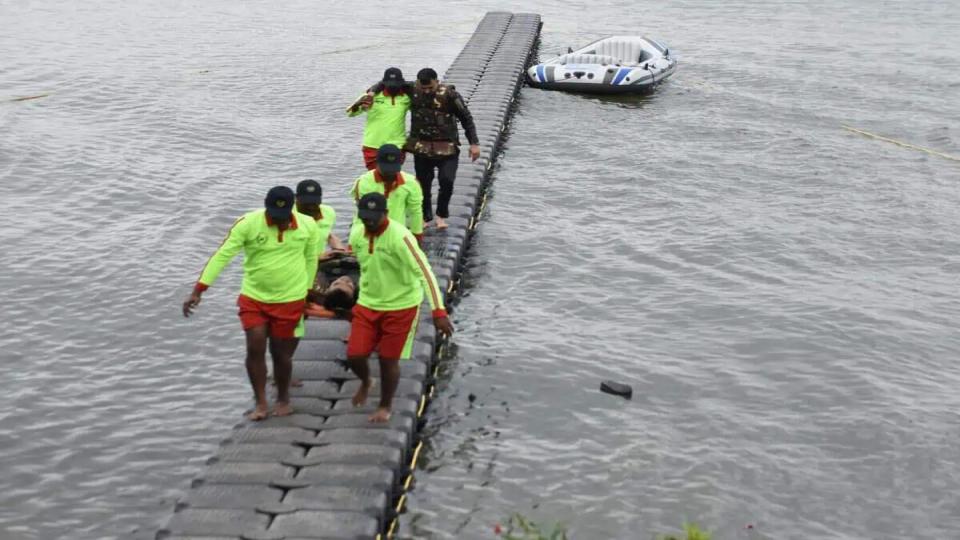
(372, 206)
(388, 159)
(279, 202)
(308, 191)
(393, 78)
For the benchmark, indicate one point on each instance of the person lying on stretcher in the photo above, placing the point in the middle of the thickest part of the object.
(333, 299)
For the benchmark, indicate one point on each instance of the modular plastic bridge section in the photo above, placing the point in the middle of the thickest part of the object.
(326, 472)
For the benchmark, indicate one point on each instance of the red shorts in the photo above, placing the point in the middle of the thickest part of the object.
(281, 319)
(390, 332)
(370, 157)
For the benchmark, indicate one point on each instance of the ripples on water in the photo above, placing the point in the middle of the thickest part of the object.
(779, 292)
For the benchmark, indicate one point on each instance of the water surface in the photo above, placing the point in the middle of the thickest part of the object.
(780, 293)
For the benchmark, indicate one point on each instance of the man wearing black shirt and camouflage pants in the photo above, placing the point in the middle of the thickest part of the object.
(434, 139)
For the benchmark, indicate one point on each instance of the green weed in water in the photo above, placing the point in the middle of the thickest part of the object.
(694, 532)
(519, 527)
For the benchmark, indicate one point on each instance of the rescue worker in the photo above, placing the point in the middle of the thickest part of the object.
(279, 261)
(394, 274)
(310, 203)
(405, 200)
(386, 111)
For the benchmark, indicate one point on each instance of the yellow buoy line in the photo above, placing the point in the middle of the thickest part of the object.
(901, 143)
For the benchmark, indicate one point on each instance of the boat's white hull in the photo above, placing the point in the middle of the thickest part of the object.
(615, 65)
(599, 79)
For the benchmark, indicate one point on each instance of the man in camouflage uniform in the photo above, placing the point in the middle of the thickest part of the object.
(434, 139)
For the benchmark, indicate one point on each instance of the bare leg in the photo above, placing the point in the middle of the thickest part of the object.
(294, 382)
(281, 350)
(389, 379)
(360, 367)
(257, 369)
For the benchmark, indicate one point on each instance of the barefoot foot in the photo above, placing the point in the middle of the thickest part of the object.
(282, 408)
(361, 396)
(380, 416)
(296, 383)
(259, 413)
(441, 223)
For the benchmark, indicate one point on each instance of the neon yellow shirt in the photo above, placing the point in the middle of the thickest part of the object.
(386, 120)
(328, 218)
(277, 266)
(404, 202)
(394, 272)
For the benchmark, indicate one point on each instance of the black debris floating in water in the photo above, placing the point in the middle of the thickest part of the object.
(617, 389)
(28, 98)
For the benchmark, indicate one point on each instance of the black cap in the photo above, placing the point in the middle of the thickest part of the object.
(426, 75)
(372, 206)
(388, 159)
(308, 191)
(279, 202)
(393, 78)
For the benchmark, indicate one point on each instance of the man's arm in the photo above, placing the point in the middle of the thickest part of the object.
(355, 234)
(228, 249)
(335, 243)
(416, 261)
(332, 240)
(463, 114)
(355, 190)
(415, 209)
(310, 252)
(360, 105)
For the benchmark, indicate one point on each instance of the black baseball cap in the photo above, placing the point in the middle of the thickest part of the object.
(393, 78)
(388, 159)
(372, 206)
(279, 202)
(309, 191)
